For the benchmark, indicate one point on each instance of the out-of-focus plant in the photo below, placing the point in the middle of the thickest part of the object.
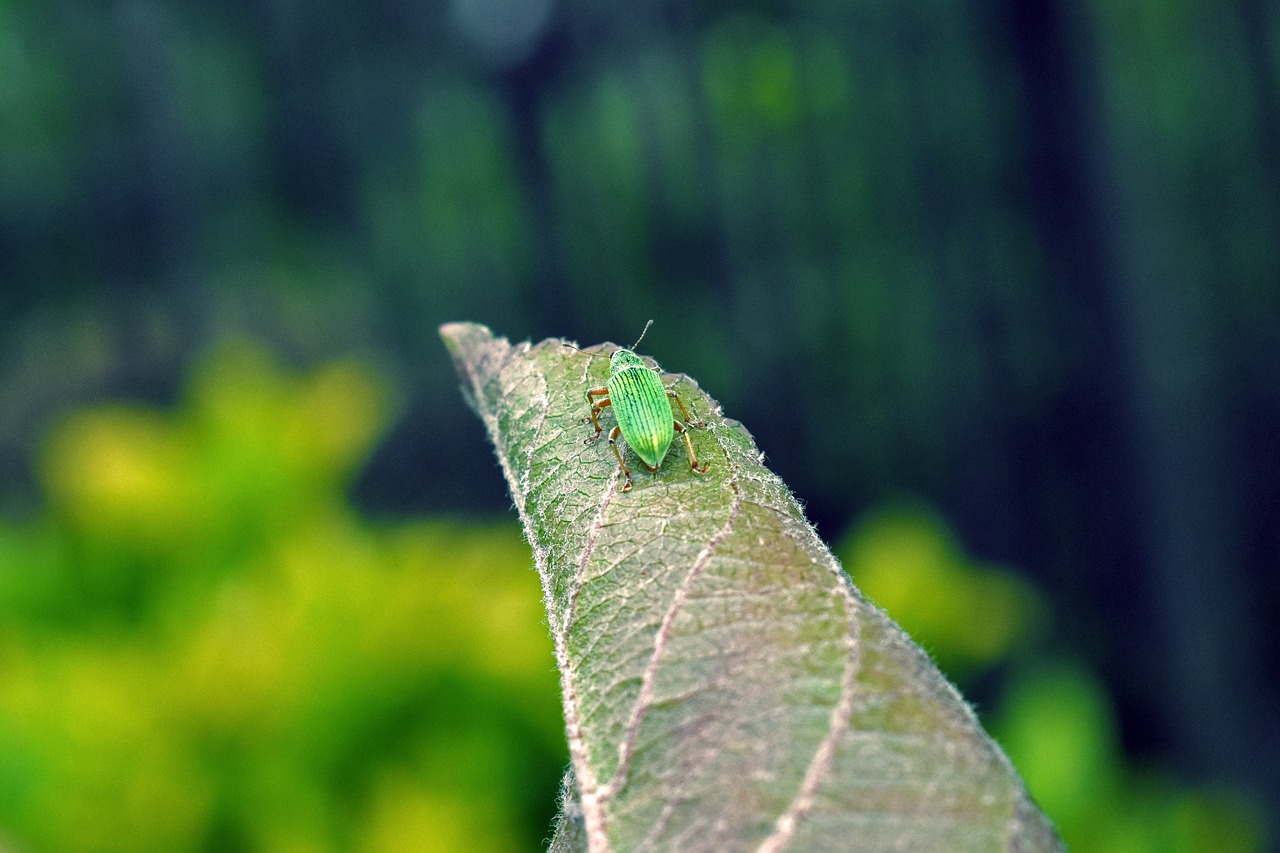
(1055, 720)
(202, 646)
(967, 615)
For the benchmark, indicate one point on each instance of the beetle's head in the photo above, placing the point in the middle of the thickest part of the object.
(624, 358)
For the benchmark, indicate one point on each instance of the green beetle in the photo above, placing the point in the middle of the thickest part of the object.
(641, 404)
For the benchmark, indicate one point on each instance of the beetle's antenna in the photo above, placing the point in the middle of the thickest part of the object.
(585, 352)
(642, 334)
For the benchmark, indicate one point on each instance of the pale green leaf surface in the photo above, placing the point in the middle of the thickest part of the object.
(725, 686)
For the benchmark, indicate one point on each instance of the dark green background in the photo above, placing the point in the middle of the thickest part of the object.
(1019, 260)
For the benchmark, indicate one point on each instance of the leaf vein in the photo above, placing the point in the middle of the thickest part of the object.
(787, 823)
(644, 699)
(592, 809)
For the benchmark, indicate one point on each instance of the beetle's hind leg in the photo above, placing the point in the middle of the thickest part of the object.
(693, 459)
(626, 472)
(685, 412)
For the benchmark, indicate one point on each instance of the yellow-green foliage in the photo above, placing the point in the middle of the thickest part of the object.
(1059, 727)
(203, 647)
(967, 615)
(1056, 721)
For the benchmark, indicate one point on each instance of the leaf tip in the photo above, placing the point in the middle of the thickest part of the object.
(467, 343)
(463, 338)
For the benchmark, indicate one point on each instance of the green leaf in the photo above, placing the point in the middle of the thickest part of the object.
(725, 687)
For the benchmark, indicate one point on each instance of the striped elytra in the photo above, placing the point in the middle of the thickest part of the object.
(641, 406)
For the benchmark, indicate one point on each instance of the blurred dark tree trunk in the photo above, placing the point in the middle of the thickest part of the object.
(524, 88)
(1262, 62)
(1068, 197)
(1163, 447)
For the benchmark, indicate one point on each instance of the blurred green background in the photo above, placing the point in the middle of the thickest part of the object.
(995, 286)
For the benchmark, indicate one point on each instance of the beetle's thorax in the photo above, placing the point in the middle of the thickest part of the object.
(624, 359)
